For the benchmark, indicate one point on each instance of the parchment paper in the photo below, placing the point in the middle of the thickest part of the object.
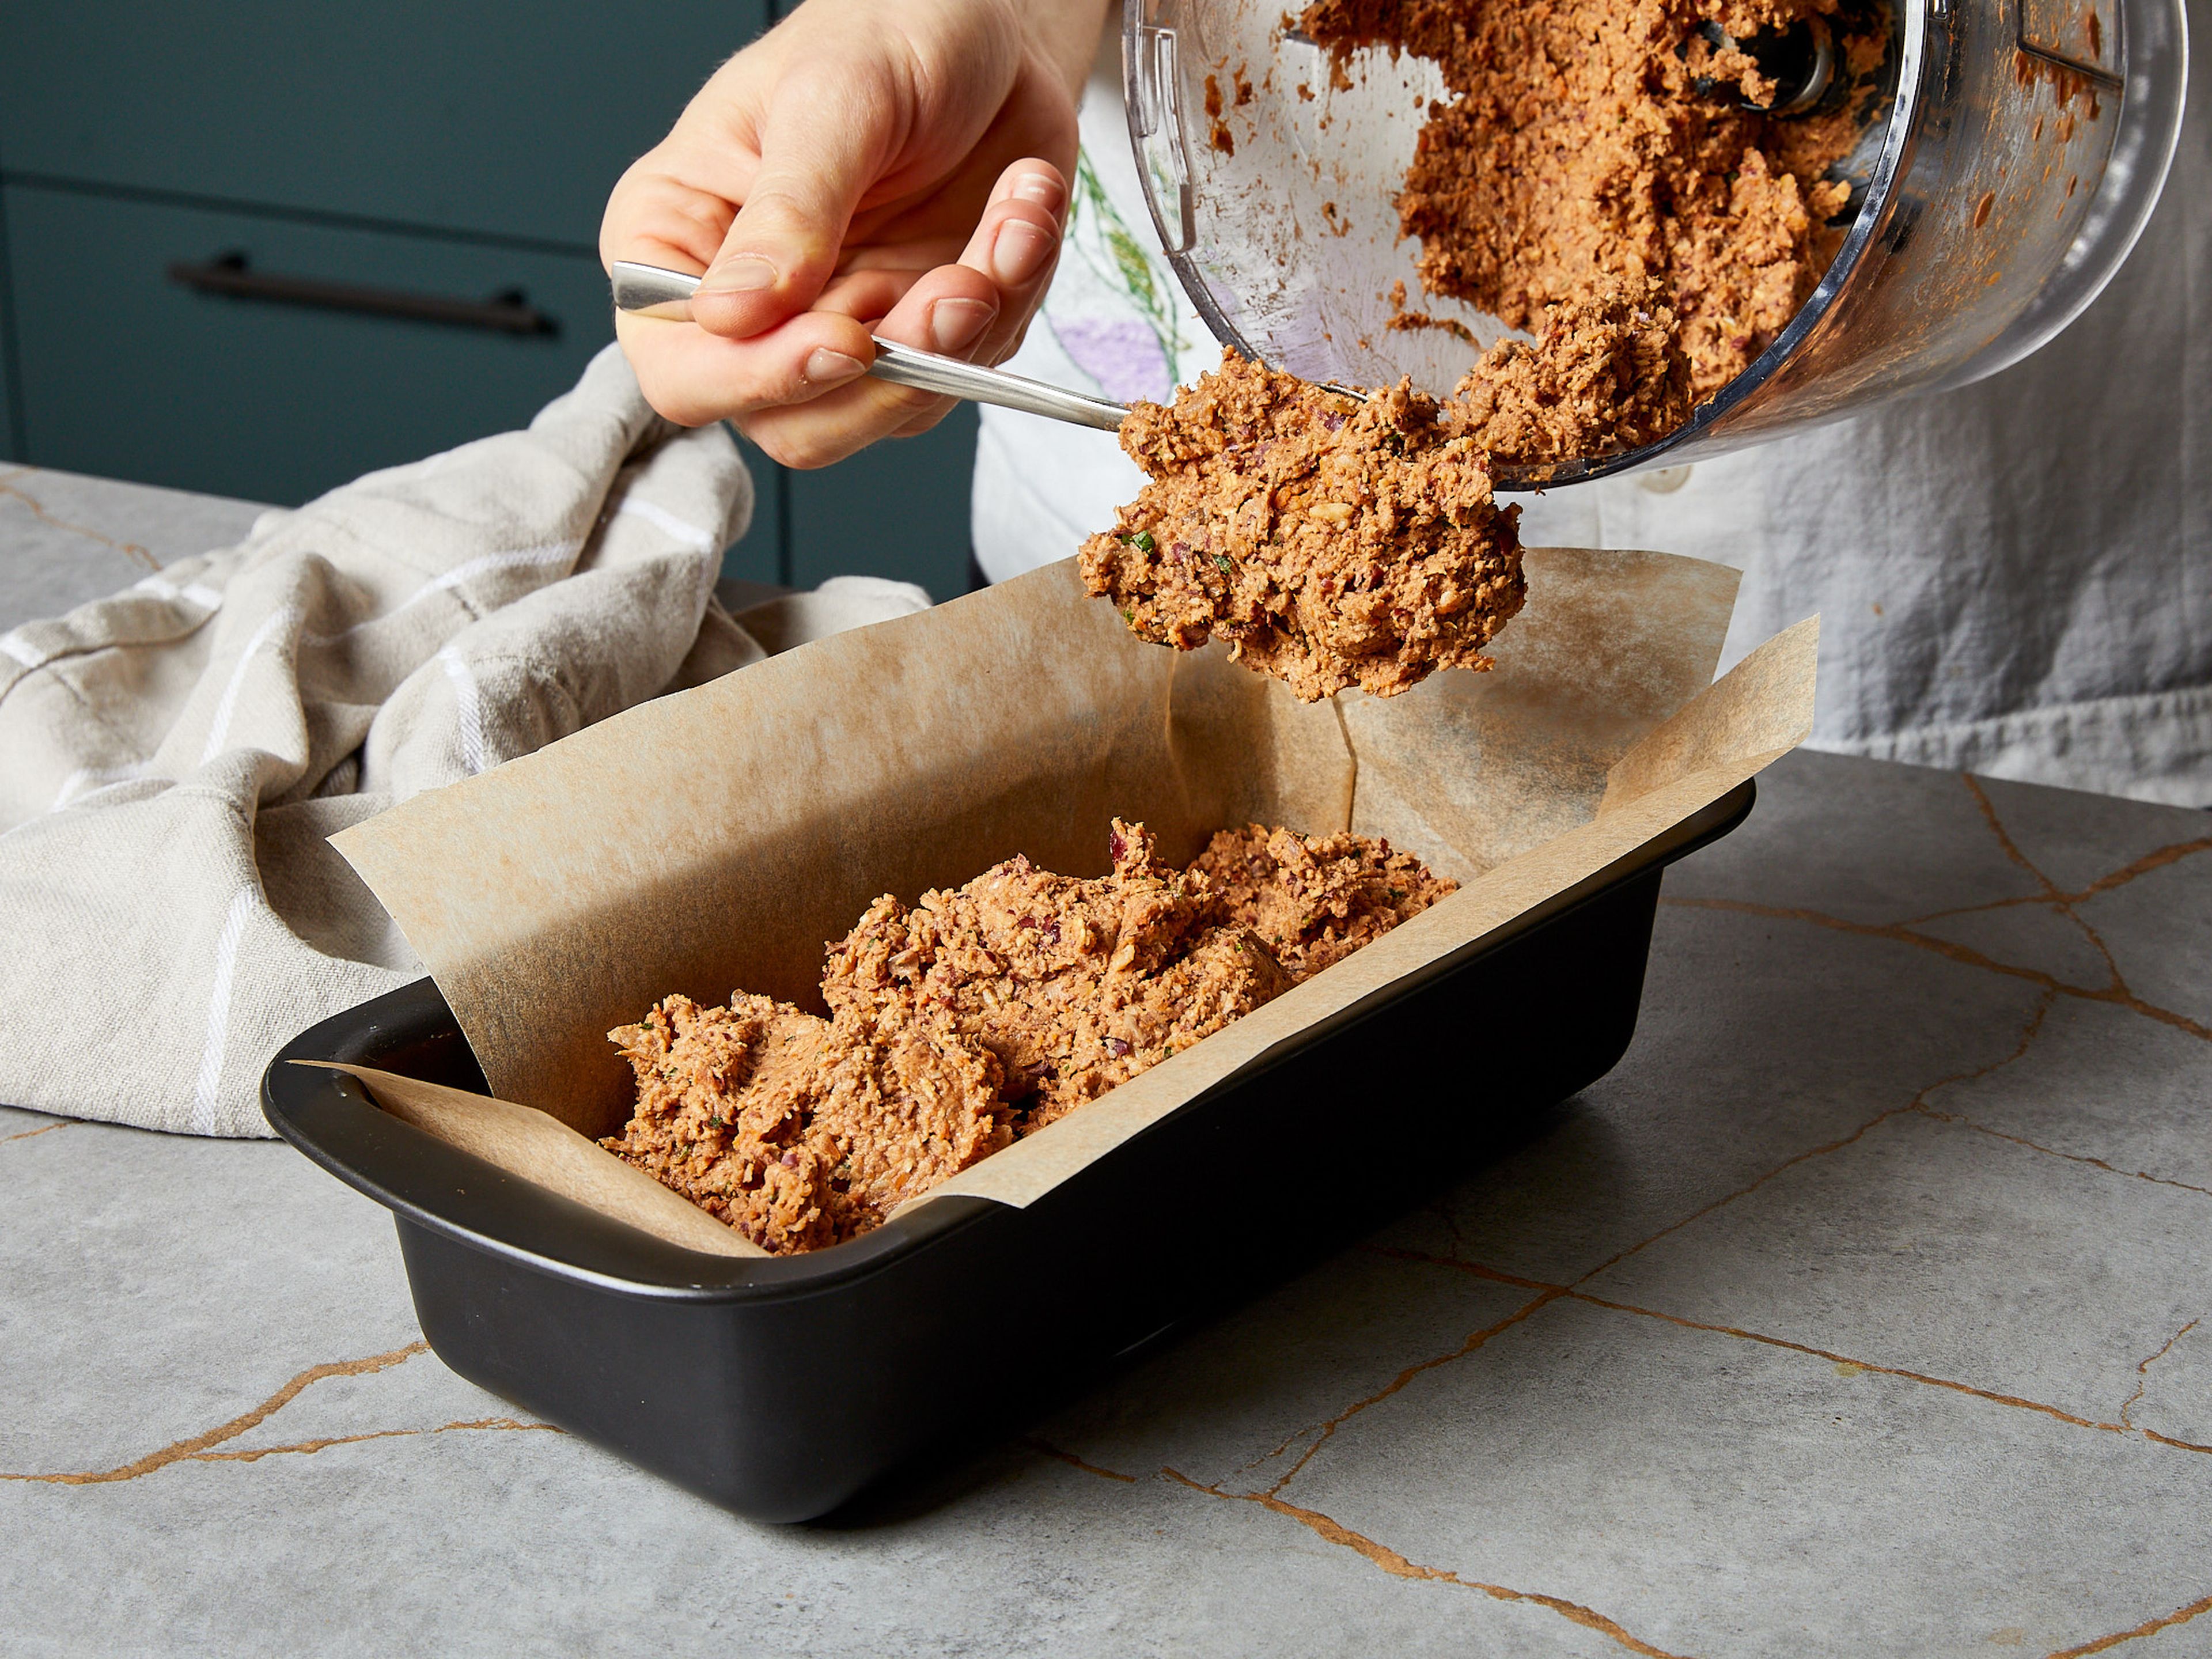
(718, 839)
(525, 1142)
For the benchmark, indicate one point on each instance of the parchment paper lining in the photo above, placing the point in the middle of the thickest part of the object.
(717, 839)
(525, 1142)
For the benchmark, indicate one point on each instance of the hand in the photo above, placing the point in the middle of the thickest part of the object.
(890, 166)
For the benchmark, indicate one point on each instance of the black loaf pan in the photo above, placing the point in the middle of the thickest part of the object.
(782, 1387)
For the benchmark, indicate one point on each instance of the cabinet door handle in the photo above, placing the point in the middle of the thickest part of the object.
(506, 313)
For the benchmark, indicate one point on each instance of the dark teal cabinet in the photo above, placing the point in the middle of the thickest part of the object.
(130, 373)
(10, 439)
(462, 150)
(11, 434)
(495, 119)
(898, 508)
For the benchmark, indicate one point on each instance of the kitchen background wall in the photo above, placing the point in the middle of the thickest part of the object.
(155, 158)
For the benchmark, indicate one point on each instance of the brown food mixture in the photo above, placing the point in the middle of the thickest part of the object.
(1313, 900)
(1592, 180)
(1592, 144)
(1606, 373)
(982, 1013)
(1075, 985)
(1332, 542)
(799, 1131)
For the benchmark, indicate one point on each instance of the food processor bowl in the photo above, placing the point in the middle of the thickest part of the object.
(2008, 166)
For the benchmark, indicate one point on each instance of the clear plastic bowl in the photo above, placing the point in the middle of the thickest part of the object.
(1983, 224)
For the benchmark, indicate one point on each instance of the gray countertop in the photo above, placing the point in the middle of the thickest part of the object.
(1863, 1308)
(65, 538)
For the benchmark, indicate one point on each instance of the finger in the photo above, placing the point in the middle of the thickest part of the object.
(871, 296)
(656, 218)
(1015, 248)
(1037, 181)
(929, 418)
(820, 431)
(694, 378)
(824, 142)
(946, 311)
(867, 295)
(915, 255)
(1017, 243)
(976, 308)
(1030, 193)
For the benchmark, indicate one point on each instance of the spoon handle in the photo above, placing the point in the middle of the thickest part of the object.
(650, 291)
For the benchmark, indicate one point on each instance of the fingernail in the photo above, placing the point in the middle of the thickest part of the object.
(954, 323)
(746, 274)
(1019, 252)
(827, 367)
(1039, 187)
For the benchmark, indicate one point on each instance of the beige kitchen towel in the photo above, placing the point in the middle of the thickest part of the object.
(172, 759)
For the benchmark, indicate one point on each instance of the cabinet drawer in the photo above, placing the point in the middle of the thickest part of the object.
(463, 114)
(899, 508)
(125, 372)
(11, 448)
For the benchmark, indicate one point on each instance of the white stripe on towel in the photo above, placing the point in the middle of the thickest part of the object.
(698, 540)
(199, 594)
(272, 624)
(90, 779)
(551, 553)
(468, 709)
(207, 1090)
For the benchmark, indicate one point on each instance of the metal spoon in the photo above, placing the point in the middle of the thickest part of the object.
(649, 291)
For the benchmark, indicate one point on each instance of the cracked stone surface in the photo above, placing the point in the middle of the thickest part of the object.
(65, 538)
(1862, 1310)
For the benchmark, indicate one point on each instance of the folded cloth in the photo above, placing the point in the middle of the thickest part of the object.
(172, 759)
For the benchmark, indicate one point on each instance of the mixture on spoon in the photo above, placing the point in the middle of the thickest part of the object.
(1337, 543)
(1333, 543)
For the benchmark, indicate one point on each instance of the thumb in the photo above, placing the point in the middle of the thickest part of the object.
(822, 145)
